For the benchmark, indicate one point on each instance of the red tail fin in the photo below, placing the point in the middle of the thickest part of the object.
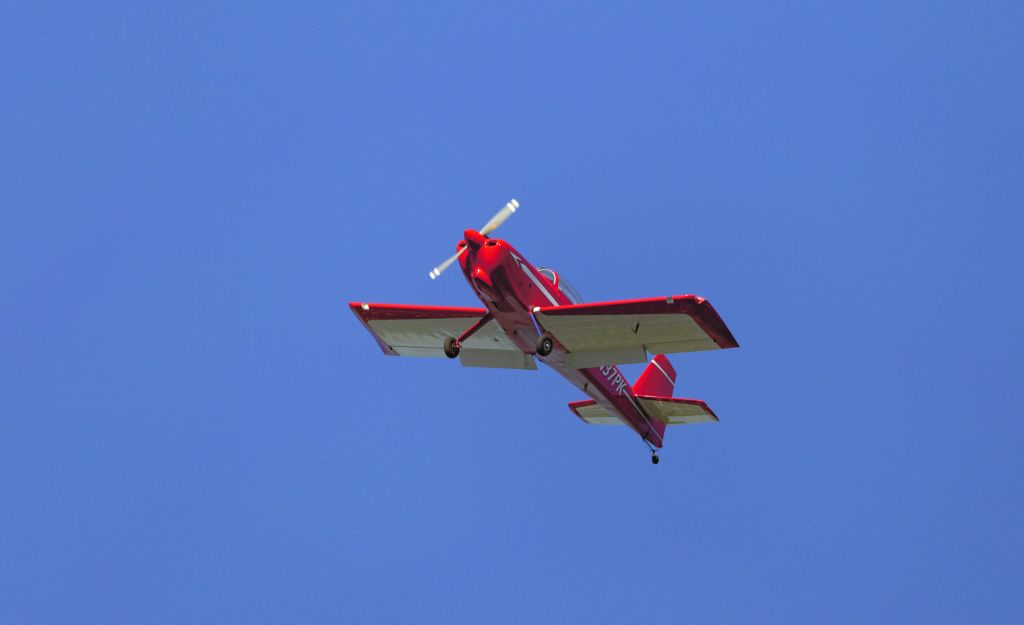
(659, 378)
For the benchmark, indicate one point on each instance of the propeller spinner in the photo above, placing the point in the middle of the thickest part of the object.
(492, 225)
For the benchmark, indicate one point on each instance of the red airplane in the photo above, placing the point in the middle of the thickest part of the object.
(533, 313)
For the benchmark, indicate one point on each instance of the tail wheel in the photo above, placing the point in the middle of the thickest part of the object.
(544, 345)
(452, 347)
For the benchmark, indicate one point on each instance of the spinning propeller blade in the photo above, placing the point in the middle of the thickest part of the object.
(499, 217)
(492, 225)
(436, 271)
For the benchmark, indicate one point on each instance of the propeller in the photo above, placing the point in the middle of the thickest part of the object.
(489, 227)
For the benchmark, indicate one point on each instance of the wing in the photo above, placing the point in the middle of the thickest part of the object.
(605, 333)
(668, 410)
(403, 330)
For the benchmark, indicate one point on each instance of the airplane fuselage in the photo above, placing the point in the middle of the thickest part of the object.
(511, 288)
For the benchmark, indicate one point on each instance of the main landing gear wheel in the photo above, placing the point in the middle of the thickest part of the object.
(452, 347)
(544, 345)
(654, 458)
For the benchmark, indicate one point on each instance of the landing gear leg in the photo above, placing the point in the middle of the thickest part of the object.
(452, 345)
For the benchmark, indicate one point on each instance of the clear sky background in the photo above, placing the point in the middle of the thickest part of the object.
(195, 429)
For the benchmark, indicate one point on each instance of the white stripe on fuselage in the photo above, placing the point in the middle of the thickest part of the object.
(529, 274)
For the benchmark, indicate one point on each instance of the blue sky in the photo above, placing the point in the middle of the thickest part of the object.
(193, 428)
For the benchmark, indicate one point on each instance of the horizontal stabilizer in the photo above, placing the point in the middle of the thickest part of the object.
(675, 410)
(668, 410)
(592, 412)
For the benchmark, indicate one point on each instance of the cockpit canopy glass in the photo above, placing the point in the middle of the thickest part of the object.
(562, 285)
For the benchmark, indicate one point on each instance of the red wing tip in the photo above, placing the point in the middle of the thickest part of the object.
(574, 406)
(358, 309)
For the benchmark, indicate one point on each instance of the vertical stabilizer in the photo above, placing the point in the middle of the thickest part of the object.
(658, 379)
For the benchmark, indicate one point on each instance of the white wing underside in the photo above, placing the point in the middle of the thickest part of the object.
(625, 332)
(421, 332)
(668, 410)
